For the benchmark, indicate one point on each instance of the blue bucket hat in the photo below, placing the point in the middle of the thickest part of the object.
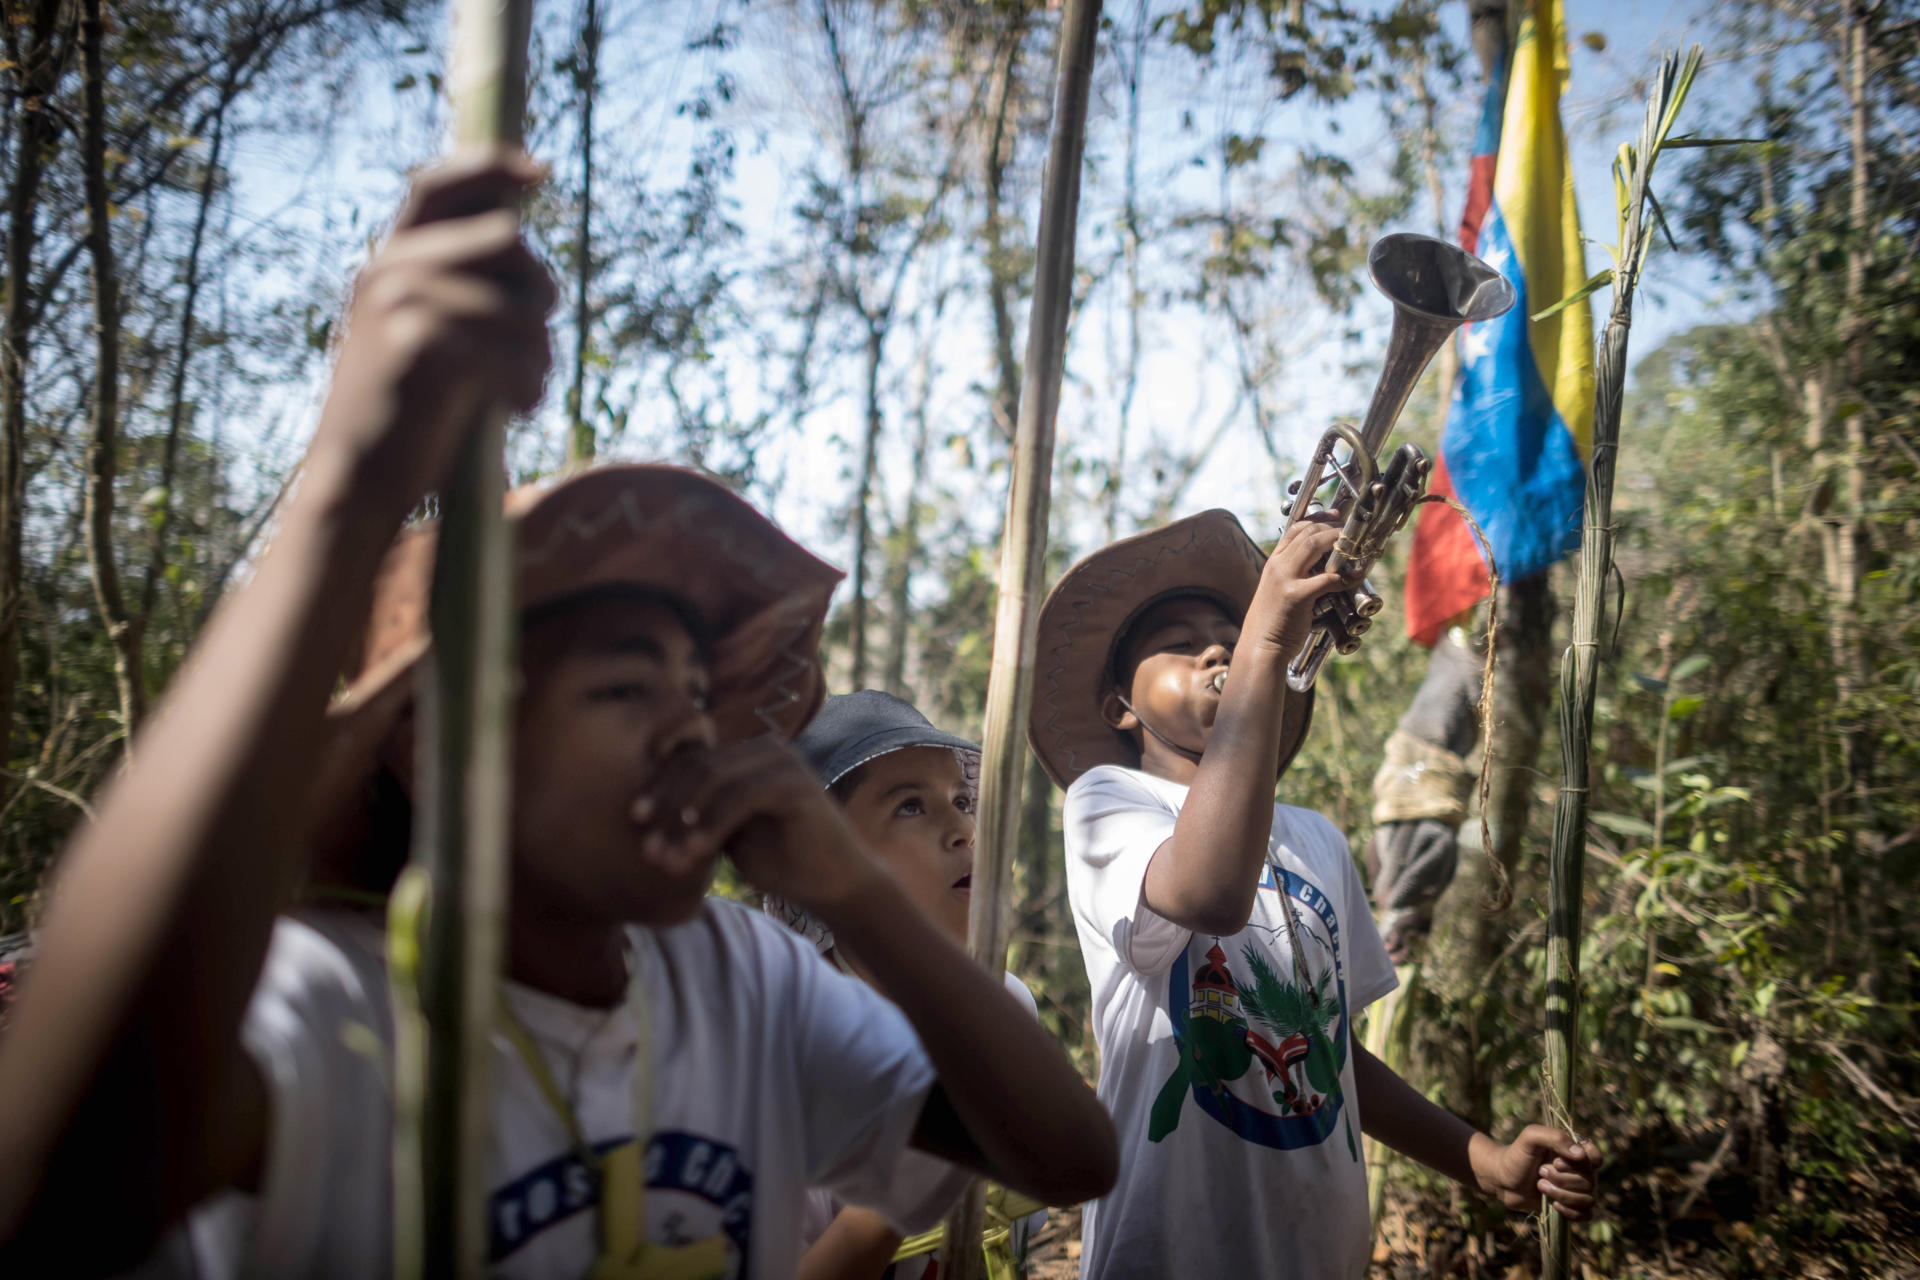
(852, 729)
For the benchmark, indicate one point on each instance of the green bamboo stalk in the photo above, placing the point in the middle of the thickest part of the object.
(1390, 1039)
(1580, 666)
(456, 886)
(1023, 548)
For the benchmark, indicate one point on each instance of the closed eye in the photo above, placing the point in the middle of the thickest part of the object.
(641, 691)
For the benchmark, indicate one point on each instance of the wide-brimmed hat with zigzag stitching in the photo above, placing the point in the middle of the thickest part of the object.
(1090, 609)
(761, 597)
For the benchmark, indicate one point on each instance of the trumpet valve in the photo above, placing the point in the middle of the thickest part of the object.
(1343, 631)
(1367, 601)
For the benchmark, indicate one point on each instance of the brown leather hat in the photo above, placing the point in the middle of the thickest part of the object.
(1088, 612)
(762, 596)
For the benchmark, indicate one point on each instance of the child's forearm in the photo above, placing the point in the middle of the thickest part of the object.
(1204, 877)
(1541, 1161)
(165, 904)
(1394, 1113)
(1023, 1116)
(859, 1245)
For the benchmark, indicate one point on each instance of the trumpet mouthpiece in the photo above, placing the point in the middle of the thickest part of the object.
(1220, 681)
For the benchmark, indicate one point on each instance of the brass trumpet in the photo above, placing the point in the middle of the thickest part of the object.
(1435, 287)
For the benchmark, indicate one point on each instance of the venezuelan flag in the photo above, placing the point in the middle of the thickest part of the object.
(1519, 429)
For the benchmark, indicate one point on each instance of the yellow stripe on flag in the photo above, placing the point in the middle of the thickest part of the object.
(1533, 188)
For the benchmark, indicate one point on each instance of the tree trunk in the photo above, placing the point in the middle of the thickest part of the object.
(1130, 246)
(40, 63)
(177, 391)
(1447, 364)
(906, 540)
(103, 443)
(1003, 282)
(581, 443)
(1523, 690)
(862, 504)
(1036, 854)
(1845, 531)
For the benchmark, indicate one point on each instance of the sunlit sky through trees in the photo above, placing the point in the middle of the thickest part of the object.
(320, 193)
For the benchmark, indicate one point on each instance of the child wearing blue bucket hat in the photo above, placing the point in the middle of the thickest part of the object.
(909, 790)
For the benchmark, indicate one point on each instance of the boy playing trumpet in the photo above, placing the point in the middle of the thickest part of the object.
(1226, 937)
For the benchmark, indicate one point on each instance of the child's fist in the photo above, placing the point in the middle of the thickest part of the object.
(1295, 577)
(1542, 1162)
(758, 803)
(448, 315)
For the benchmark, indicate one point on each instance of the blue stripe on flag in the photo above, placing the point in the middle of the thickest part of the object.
(1512, 459)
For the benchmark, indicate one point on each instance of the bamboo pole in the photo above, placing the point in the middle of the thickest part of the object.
(1023, 548)
(1580, 666)
(1389, 1038)
(456, 886)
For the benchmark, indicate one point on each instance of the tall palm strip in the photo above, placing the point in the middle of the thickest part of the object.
(1580, 666)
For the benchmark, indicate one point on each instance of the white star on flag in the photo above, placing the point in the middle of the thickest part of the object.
(1476, 341)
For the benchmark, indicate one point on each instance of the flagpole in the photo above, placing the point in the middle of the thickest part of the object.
(447, 916)
(1023, 547)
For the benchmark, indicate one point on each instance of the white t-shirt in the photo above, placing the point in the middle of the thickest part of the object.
(1231, 1089)
(823, 1206)
(774, 1073)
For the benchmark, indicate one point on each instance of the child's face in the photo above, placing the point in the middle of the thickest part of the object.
(1173, 652)
(915, 811)
(611, 692)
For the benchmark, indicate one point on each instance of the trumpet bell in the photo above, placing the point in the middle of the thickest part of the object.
(1435, 279)
(1435, 287)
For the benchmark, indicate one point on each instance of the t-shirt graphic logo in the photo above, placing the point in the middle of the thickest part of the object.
(699, 1204)
(1293, 1029)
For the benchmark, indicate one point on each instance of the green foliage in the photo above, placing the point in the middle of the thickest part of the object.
(1747, 976)
(1750, 962)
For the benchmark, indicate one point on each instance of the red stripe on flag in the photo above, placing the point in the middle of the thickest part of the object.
(1445, 574)
(1479, 200)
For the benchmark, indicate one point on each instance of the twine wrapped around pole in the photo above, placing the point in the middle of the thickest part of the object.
(1023, 548)
(1580, 667)
(447, 915)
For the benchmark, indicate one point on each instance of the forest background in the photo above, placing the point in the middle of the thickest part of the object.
(795, 238)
